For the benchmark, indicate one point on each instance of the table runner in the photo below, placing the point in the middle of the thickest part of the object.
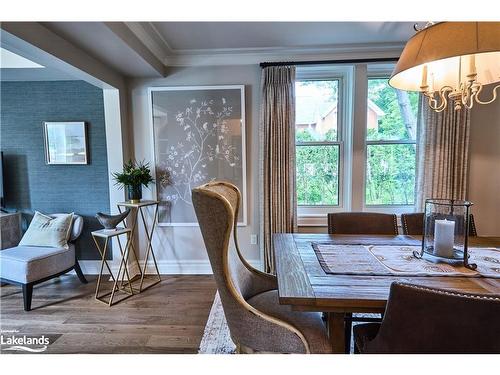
(385, 260)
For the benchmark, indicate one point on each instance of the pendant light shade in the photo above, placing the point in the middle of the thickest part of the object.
(450, 60)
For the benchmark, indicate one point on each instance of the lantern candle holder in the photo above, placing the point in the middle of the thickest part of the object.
(446, 231)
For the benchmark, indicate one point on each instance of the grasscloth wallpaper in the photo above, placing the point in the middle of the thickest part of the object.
(31, 184)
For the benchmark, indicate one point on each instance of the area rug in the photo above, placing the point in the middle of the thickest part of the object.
(216, 338)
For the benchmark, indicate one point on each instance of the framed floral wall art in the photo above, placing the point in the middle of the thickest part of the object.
(198, 136)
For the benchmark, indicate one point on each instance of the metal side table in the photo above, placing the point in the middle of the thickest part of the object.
(131, 222)
(107, 234)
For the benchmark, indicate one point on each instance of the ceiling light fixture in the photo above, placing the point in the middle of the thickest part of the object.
(451, 62)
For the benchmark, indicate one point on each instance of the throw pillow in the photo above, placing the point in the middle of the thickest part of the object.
(47, 231)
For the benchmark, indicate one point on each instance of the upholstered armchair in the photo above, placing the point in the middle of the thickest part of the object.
(421, 320)
(31, 265)
(256, 320)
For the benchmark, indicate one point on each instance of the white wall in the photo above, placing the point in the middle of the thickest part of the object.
(181, 249)
(484, 167)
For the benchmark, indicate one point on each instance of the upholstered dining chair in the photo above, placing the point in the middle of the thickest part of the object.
(413, 224)
(360, 223)
(421, 320)
(256, 320)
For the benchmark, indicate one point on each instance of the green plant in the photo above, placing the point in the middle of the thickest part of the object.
(134, 173)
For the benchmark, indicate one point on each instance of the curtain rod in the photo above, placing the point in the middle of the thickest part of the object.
(322, 62)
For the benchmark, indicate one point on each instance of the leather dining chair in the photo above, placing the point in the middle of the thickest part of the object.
(360, 223)
(413, 224)
(256, 321)
(421, 320)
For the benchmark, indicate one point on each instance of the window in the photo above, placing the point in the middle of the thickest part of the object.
(346, 161)
(390, 145)
(317, 142)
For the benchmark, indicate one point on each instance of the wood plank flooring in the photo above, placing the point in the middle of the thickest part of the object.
(167, 318)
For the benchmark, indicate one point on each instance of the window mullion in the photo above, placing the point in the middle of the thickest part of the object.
(359, 110)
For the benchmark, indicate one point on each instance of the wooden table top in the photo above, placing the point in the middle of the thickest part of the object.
(303, 284)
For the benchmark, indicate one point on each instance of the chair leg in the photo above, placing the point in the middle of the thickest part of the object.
(348, 330)
(79, 273)
(27, 294)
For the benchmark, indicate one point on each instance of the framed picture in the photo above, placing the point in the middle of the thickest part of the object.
(65, 143)
(198, 136)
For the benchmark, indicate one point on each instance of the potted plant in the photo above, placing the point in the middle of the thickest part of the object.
(134, 176)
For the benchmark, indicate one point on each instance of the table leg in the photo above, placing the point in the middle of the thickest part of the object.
(336, 332)
(125, 256)
(149, 246)
(133, 220)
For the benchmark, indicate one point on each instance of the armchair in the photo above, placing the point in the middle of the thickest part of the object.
(256, 320)
(31, 265)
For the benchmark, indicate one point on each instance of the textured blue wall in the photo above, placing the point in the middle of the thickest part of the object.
(31, 184)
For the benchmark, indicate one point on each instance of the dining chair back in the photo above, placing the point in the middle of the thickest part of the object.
(362, 223)
(421, 320)
(247, 294)
(413, 224)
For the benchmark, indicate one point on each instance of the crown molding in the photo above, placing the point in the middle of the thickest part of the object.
(242, 56)
(156, 43)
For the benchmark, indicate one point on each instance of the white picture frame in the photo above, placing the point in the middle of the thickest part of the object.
(65, 143)
(195, 95)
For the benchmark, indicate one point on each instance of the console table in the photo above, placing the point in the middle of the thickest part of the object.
(141, 209)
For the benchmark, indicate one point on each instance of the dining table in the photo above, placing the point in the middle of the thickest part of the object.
(305, 286)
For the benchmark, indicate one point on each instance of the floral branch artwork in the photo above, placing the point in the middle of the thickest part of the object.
(206, 142)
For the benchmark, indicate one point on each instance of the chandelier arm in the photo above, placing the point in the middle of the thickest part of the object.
(435, 107)
(489, 101)
(467, 97)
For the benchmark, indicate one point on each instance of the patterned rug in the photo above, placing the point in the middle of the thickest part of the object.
(399, 261)
(216, 338)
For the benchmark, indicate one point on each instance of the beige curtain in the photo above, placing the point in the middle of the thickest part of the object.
(278, 209)
(443, 153)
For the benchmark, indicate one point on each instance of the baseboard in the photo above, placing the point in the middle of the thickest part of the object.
(166, 267)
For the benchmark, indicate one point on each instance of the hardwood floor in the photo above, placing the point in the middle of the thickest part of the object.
(167, 318)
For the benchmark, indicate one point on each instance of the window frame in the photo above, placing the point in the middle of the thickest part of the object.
(311, 215)
(398, 209)
(352, 124)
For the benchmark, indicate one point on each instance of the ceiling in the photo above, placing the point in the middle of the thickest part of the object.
(147, 49)
(100, 41)
(15, 67)
(185, 36)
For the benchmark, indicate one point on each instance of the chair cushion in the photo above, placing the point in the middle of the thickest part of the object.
(363, 333)
(46, 231)
(309, 323)
(25, 264)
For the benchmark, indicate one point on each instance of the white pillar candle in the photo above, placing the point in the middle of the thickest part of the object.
(444, 235)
